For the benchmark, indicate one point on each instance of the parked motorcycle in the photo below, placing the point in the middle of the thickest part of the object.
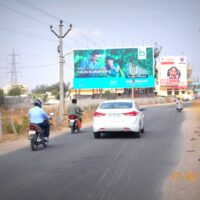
(74, 123)
(36, 135)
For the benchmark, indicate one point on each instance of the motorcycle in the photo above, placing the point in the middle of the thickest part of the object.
(36, 135)
(74, 123)
(179, 108)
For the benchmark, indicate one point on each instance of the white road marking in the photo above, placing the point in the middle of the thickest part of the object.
(120, 151)
(104, 174)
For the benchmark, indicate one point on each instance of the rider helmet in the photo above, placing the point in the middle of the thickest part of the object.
(38, 103)
(74, 101)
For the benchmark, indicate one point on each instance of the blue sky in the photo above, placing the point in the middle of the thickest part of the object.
(96, 24)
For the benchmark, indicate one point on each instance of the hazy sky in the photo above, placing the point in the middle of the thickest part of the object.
(24, 27)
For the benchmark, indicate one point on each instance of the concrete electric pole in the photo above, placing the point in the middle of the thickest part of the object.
(61, 60)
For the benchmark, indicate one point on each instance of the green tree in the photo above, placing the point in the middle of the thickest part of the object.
(1, 96)
(40, 91)
(15, 91)
(157, 51)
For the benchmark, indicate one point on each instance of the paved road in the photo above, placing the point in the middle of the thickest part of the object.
(79, 167)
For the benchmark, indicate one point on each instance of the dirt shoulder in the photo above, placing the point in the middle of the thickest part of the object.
(20, 142)
(184, 182)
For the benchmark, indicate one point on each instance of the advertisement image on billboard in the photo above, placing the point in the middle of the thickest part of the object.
(113, 68)
(173, 72)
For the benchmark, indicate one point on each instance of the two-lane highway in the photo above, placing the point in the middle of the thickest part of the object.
(79, 167)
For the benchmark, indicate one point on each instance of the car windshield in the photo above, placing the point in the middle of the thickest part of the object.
(116, 105)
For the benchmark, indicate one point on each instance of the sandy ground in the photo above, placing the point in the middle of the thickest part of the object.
(184, 182)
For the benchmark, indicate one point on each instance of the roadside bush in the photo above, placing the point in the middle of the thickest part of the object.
(1, 97)
(20, 127)
(15, 91)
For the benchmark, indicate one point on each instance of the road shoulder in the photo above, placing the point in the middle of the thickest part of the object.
(9, 146)
(184, 182)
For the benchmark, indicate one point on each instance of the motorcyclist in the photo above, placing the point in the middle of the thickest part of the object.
(179, 103)
(37, 115)
(74, 109)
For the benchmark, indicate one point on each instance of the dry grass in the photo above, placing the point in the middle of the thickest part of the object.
(20, 119)
(20, 116)
(196, 107)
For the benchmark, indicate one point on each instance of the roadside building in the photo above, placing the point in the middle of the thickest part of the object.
(24, 89)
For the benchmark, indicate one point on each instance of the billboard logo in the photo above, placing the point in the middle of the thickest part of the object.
(142, 53)
(182, 59)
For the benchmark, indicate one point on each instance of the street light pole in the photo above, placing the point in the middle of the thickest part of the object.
(61, 58)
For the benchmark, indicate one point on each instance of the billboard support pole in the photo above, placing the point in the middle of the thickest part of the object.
(132, 70)
(132, 87)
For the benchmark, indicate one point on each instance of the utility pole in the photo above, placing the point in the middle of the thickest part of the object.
(61, 60)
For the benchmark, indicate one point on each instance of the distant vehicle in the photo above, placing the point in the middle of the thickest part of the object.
(187, 97)
(52, 101)
(118, 116)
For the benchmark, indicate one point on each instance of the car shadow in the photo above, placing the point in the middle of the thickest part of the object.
(117, 135)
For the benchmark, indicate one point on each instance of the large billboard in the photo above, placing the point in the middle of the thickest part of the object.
(113, 68)
(173, 72)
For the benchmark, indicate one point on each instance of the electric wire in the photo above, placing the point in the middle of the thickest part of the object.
(29, 34)
(34, 66)
(21, 13)
(36, 8)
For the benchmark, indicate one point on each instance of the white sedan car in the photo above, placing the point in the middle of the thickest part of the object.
(118, 116)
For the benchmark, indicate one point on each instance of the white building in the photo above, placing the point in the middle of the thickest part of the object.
(24, 88)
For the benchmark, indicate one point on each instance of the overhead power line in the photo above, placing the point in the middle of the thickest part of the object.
(34, 66)
(36, 8)
(44, 12)
(21, 13)
(85, 36)
(29, 34)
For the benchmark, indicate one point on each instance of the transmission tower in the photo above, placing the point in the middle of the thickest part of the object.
(13, 71)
